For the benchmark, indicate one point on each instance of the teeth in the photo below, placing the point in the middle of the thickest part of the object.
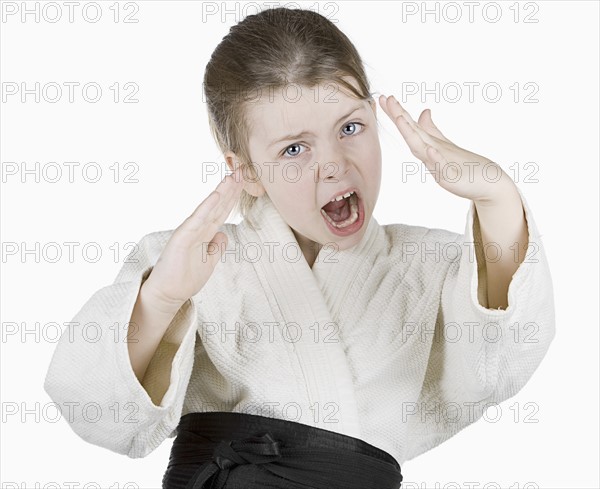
(353, 214)
(340, 197)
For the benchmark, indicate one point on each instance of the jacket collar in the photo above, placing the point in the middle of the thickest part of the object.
(333, 272)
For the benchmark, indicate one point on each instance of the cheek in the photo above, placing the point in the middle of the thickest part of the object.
(280, 179)
(368, 151)
(374, 149)
(290, 177)
(373, 142)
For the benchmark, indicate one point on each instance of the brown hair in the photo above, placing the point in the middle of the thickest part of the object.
(270, 50)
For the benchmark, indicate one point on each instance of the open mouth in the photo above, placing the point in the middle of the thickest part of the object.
(344, 215)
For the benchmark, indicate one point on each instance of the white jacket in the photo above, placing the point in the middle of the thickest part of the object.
(387, 342)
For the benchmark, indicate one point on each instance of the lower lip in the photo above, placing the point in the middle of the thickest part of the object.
(347, 231)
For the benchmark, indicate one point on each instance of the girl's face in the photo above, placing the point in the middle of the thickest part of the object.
(311, 145)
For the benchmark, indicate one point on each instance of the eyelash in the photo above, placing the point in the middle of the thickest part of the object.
(283, 153)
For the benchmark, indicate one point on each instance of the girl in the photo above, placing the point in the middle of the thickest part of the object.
(310, 346)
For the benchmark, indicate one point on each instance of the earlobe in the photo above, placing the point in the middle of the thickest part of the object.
(254, 188)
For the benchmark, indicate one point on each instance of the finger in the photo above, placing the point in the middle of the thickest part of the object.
(215, 204)
(206, 206)
(230, 191)
(436, 157)
(414, 140)
(436, 161)
(226, 204)
(229, 188)
(394, 109)
(427, 124)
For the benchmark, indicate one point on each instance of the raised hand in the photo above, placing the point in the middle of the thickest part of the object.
(455, 169)
(195, 247)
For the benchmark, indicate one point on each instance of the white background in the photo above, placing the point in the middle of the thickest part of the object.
(166, 134)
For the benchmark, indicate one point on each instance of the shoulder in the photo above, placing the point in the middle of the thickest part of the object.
(420, 249)
(397, 233)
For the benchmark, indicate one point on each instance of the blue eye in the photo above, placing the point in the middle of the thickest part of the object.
(354, 125)
(291, 146)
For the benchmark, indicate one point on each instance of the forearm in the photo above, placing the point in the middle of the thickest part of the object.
(504, 236)
(149, 322)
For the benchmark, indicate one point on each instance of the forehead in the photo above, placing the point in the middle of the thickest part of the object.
(296, 108)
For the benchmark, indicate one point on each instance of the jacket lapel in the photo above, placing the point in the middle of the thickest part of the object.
(311, 299)
(337, 272)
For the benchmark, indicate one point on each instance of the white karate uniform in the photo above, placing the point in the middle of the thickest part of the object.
(387, 342)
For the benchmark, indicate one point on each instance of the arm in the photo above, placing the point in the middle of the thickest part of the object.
(131, 418)
(479, 355)
(503, 228)
(493, 352)
(149, 322)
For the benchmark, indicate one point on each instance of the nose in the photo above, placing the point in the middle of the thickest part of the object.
(335, 164)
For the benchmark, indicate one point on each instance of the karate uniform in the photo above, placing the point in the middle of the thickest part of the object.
(387, 342)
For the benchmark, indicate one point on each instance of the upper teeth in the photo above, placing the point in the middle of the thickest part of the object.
(340, 197)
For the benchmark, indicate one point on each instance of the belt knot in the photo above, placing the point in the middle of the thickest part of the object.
(257, 449)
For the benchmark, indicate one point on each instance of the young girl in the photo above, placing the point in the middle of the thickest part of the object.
(310, 346)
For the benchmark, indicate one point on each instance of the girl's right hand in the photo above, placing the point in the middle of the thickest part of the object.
(192, 252)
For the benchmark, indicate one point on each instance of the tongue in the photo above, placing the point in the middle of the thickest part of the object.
(338, 210)
(334, 206)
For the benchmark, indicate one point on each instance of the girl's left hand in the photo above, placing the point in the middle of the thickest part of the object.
(457, 170)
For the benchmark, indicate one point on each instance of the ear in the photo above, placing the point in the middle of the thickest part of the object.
(251, 186)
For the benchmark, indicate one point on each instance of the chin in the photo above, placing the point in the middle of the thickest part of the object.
(343, 243)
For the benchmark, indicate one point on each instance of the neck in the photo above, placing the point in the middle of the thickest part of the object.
(310, 249)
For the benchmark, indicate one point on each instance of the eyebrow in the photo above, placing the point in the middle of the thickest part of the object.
(309, 133)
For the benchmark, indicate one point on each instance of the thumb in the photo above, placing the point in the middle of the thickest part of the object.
(426, 123)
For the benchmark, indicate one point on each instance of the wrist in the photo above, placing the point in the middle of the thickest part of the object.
(504, 192)
(153, 298)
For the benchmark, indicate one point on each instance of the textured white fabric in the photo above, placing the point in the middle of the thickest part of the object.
(388, 341)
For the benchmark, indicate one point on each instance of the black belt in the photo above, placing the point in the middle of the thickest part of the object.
(221, 450)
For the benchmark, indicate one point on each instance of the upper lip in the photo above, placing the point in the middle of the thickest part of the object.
(343, 192)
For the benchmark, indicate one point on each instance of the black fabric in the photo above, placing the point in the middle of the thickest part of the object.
(221, 450)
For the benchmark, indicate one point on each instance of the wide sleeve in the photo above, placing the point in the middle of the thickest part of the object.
(479, 356)
(90, 376)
